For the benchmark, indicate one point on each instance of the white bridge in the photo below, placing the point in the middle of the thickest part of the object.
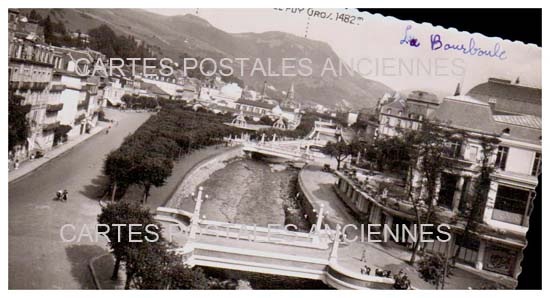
(262, 250)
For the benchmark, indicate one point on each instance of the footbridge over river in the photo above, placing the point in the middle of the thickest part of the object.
(268, 250)
(293, 150)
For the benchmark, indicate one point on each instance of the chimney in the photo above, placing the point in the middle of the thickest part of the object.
(492, 103)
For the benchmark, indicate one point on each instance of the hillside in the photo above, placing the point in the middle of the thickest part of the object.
(180, 35)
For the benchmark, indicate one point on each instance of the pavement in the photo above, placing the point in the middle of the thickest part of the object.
(38, 257)
(387, 256)
(28, 166)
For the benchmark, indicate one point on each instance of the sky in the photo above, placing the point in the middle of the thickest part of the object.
(373, 46)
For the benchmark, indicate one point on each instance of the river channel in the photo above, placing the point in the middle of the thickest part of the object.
(252, 191)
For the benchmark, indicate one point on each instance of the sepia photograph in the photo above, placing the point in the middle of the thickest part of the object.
(267, 148)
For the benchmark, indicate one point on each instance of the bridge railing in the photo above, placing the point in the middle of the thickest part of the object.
(274, 234)
(340, 277)
(259, 234)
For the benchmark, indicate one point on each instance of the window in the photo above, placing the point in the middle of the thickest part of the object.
(502, 156)
(472, 153)
(447, 190)
(388, 111)
(537, 164)
(455, 147)
(511, 205)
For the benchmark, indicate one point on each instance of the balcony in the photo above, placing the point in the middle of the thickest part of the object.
(79, 119)
(50, 127)
(54, 108)
(82, 105)
(57, 88)
(25, 85)
(38, 86)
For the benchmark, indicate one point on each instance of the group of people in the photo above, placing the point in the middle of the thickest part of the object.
(111, 125)
(402, 281)
(62, 195)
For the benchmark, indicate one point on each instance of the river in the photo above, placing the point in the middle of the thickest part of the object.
(251, 191)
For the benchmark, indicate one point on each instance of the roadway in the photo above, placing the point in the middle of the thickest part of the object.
(38, 258)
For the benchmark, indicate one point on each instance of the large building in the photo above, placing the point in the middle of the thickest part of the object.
(80, 94)
(405, 113)
(45, 77)
(487, 111)
(30, 71)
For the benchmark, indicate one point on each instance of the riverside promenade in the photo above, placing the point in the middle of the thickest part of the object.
(317, 187)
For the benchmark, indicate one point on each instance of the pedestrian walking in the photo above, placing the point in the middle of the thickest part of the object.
(16, 164)
(65, 193)
(364, 256)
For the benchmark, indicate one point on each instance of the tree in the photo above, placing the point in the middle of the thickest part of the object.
(35, 16)
(392, 153)
(475, 205)
(18, 124)
(432, 269)
(49, 36)
(147, 265)
(60, 133)
(152, 171)
(266, 120)
(181, 277)
(118, 167)
(118, 216)
(338, 150)
(428, 158)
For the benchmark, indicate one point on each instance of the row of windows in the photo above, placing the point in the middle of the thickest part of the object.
(251, 109)
(30, 74)
(392, 121)
(511, 204)
(411, 115)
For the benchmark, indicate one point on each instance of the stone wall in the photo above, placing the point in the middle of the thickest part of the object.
(200, 173)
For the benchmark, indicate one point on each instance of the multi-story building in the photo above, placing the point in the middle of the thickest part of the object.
(257, 108)
(501, 235)
(79, 94)
(30, 71)
(406, 113)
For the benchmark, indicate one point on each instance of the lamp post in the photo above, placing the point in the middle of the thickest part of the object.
(335, 244)
(196, 215)
(319, 223)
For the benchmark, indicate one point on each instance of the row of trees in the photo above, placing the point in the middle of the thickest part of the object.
(140, 102)
(146, 157)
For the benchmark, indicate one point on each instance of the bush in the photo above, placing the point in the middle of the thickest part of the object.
(432, 269)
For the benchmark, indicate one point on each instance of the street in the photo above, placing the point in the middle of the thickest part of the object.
(38, 258)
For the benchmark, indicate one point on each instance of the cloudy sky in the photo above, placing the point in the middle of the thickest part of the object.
(372, 46)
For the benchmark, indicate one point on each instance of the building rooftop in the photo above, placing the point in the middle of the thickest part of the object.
(464, 112)
(423, 96)
(508, 97)
(255, 103)
(520, 120)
